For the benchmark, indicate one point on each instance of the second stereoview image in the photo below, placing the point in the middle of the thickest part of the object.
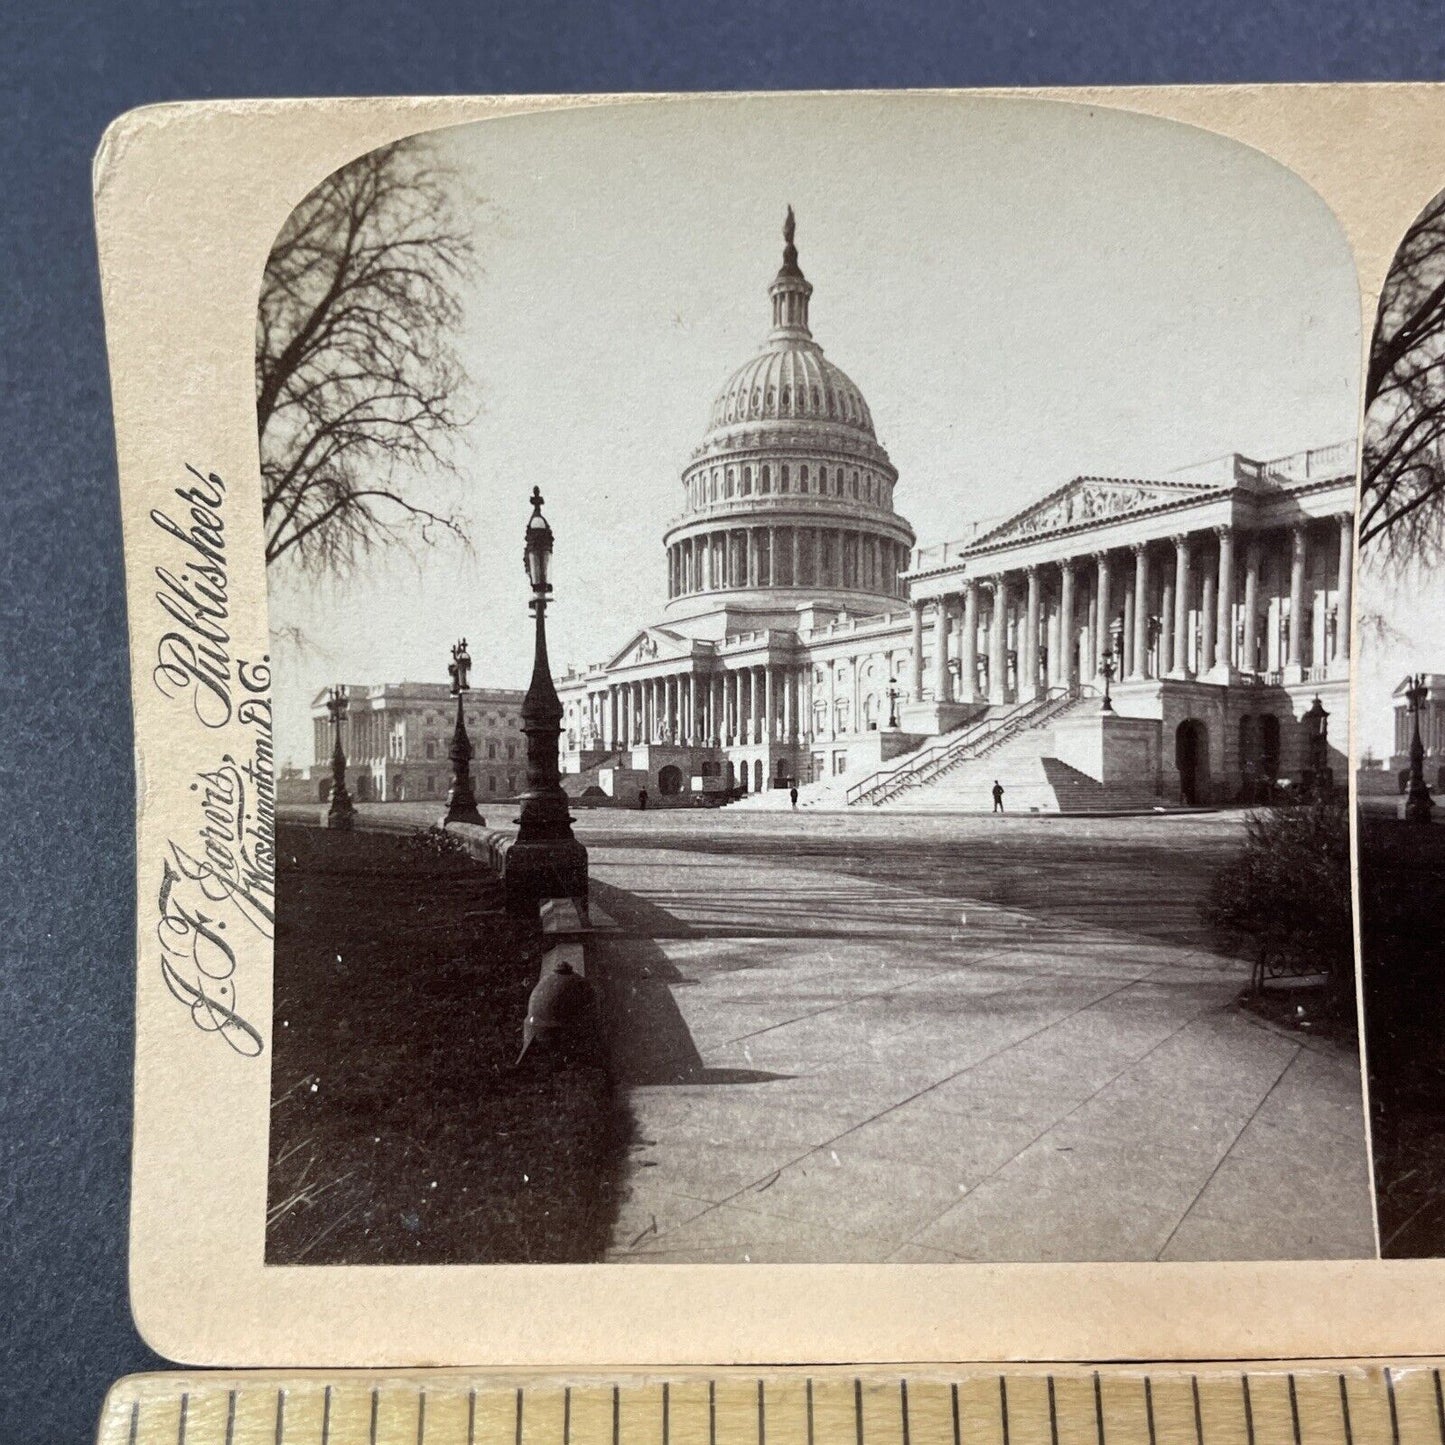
(812, 669)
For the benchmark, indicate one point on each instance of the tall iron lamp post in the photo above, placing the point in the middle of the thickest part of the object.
(462, 799)
(1106, 667)
(545, 861)
(1419, 805)
(342, 812)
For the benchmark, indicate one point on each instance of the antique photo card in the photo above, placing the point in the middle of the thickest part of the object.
(730, 689)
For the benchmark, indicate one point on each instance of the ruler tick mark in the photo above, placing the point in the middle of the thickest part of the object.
(185, 1410)
(1248, 1409)
(1394, 1414)
(518, 1428)
(134, 1421)
(712, 1412)
(1053, 1415)
(1345, 1410)
(1198, 1410)
(762, 1418)
(858, 1409)
(230, 1415)
(472, 1416)
(1003, 1405)
(1439, 1404)
(326, 1417)
(903, 1406)
(1149, 1407)
(375, 1408)
(280, 1415)
(1294, 1408)
(420, 1415)
(616, 1414)
(666, 1413)
(1098, 1408)
(957, 1430)
(567, 1415)
(810, 1406)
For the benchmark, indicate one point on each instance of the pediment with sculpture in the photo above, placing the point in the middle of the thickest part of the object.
(1090, 499)
(650, 645)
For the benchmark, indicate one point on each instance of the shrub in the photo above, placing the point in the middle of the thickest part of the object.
(1287, 895)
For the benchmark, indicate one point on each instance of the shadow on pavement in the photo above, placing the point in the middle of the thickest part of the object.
(648, 1037)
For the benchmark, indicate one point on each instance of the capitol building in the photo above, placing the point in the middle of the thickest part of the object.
(1123, 642)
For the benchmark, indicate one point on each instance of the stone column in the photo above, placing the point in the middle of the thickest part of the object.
(1344, 591)
(1103, 619)
(770, 715)
(1180, 667)
(832, 701)
(1165, 660)
(694, 732)
(915, 663)
(1295, 659)
(968, 650)
(1029, 652)
(1207, 605)
(789, 681)
(754, 561)
(1224, 603)
(1140, 666)
(793, 575)
(1251, 605)
(1068, 638)
(942, 692)
(998, 642)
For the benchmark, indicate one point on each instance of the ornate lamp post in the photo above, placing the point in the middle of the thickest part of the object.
(1419, 805)
(461, 800)
(342, 812)
(893, 696)
(545, 861)
(1106, 667)
(1319, 779)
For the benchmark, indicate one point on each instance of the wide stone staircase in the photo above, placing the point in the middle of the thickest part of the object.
(1013, 746)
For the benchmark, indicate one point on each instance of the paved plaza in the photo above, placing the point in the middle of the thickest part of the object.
(845, 1037)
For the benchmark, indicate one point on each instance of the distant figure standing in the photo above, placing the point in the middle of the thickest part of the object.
(997, 796)
(793, 795)
(642, 799)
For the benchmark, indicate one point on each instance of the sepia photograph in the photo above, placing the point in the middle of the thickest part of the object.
(1400, 761)
(811, 674)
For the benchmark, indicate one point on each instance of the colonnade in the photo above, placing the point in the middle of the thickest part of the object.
(1174, 610)
(765, 702)
(772, 556)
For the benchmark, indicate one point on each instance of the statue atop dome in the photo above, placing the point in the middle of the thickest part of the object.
(790, 251)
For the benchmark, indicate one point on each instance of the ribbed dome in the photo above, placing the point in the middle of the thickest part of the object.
(790, 378)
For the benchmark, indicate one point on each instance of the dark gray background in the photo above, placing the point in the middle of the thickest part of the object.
(66, 790)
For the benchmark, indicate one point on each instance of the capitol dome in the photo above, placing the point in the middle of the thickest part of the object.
(789, 496)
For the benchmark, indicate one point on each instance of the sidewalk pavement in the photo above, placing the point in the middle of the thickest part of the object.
(825, 1068)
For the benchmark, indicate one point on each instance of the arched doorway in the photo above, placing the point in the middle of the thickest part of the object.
(323, 789)
(1191, 758)
(1269, 750)
(742, 776)
(363, 788)
(1249, 758)
(669, 781)
(758, 776)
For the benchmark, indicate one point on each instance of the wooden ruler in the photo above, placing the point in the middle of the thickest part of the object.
(1323, 1403)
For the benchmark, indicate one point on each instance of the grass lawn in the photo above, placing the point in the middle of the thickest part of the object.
(400, 1133)
(1402, 915)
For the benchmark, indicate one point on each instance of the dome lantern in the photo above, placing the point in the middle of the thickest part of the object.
(790, 290)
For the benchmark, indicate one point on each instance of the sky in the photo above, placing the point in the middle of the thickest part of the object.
(1023, 290)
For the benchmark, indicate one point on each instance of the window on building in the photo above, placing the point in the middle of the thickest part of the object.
(491, 782)
(511, 751)
(431, 749)
(492, 752)
(431, 785)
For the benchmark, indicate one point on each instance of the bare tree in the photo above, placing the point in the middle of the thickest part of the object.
(357, 382)
(1403, 480)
